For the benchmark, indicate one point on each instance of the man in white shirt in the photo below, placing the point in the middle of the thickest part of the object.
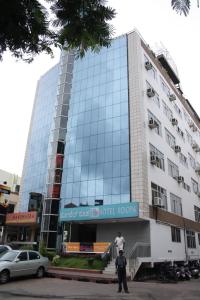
(119, 242)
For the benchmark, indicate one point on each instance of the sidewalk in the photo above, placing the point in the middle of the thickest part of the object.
(81, 275)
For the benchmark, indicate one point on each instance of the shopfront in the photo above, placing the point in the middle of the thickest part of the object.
(93, 228)
(22, 227)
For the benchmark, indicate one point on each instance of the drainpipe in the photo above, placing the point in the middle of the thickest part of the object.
(70, 231)
(185, 240)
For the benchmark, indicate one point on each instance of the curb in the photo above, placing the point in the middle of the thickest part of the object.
(83, 278)
(75, 270)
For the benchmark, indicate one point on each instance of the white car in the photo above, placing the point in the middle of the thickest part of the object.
(4, 248)
(16, 263)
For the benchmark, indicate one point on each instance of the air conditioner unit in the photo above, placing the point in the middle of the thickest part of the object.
(194, 128)
(197, 169)
(172, 97)
(194, 145)
(180, 179)
(174, 121)
(150, 92)
(148, 65)
(154, 159)
(157, 201)
(191, 124)
(177, 148)
(197, 149)
(152, 124)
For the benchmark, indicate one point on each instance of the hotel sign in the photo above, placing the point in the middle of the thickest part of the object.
(21, 218)
(101, 212)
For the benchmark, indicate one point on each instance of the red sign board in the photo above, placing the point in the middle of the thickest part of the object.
(22, 218)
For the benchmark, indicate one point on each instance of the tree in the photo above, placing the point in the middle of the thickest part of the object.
(83, 24)
(182, 6)
(26, 28)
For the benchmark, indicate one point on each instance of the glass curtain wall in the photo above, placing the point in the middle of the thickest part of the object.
(96, 160)
(50, 215)
(36, 158)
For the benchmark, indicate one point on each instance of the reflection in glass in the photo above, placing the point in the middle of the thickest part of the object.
(97, 140)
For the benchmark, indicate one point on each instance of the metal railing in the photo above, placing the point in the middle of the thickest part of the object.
(139, 249)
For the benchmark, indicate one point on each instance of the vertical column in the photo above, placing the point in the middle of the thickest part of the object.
(138, 147)
(49, 226)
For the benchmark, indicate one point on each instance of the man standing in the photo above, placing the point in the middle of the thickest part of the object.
(119, 243)
(120, 264)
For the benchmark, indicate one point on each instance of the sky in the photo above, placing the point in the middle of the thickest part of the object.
(156, 22)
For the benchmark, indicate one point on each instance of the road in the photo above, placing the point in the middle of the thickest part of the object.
(50, 288)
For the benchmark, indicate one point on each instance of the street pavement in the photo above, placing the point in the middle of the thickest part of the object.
(52, 288)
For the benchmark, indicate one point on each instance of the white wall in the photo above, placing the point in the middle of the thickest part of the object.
(12, 179)
(162, 246)
(156, 175)
(132, 232)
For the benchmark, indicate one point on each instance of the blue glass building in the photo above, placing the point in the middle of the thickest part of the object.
(36, 156)
(78, 152)
(96, 163)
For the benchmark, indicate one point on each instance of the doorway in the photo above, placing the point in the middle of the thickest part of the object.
(87, 233)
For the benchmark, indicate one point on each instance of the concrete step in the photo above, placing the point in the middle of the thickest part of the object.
(111, 269)
(87, 277)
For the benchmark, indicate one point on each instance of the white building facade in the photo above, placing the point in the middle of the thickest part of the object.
(165, 154)
(123, 154)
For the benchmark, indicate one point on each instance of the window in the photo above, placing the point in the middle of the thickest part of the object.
(165, 88)
(173, 170)
(177, 109)
(3, 249)
(33, 255)
(186, 186)
(153, 71)
(199, 238)
(176, 234)
(156, 97)
(176, 205)
(189, 138)
(195, 187)
(191, 242)
(159, 157)
(183, 159)
(180, 132)
(158, 128)
(159, 192)
(197, 213)
(167, 111)
(170, 139)
(187, 118)
(23, 256)
(192, 161)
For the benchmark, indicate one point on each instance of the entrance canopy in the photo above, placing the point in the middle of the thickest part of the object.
(100, 212)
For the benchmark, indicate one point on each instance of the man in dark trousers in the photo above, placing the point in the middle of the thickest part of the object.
(120, 264)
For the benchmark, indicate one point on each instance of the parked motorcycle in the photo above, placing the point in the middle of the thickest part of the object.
(180, 272)
(167, 273)
(194, 269)
(188, 274)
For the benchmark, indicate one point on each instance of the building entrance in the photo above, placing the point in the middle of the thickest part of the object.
(82, 233)
(87, 233)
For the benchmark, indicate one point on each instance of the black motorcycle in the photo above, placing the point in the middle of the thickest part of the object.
(167, 273)
(194, 269)
(188, 274)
